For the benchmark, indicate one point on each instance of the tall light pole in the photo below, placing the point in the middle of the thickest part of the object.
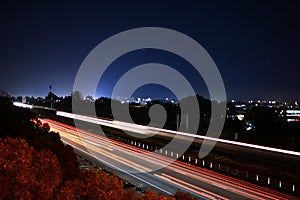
(51, 97)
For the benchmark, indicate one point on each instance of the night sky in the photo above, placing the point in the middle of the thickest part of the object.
(255, 44)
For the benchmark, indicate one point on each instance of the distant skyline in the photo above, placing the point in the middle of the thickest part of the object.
(255, 44)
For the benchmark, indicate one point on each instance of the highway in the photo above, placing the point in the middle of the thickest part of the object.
(278, 159)
(124, 159)
(146, 130)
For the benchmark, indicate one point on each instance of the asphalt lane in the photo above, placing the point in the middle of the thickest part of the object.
(127, 159)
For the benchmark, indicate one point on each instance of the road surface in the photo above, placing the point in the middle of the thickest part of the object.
(124, 158)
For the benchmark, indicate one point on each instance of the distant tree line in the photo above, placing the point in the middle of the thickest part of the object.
(265, 121)
(139, 114)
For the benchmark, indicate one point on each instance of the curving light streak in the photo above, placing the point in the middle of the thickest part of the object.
(190, 187)
(22, 105)
(197, 173)
(145, 130)
(124, 171)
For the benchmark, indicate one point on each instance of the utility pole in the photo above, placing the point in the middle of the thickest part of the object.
(187, 122)
(51, 96)
(177, 121)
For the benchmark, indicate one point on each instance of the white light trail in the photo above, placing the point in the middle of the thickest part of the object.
(141, 128)
(22, 105)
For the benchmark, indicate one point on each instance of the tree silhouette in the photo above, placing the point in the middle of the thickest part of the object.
(76, 95)
(89, 98)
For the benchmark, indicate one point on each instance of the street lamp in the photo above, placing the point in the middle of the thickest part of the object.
(51, 96)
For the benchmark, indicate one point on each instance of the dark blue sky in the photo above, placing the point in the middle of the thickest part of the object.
(255, 44)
